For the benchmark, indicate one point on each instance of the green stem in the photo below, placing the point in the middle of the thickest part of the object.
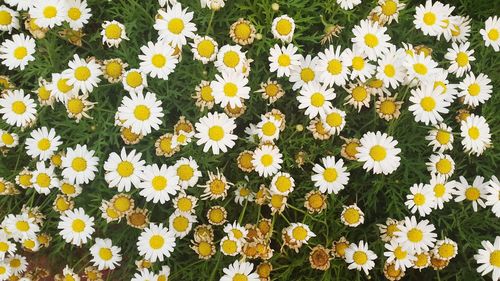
(210, 22)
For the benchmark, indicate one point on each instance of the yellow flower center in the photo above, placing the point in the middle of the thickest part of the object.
(351, 216)
(159, 60)
(472, 193)
(217, 187)
(78, 225)
(387, 107)
(371, 40)
(50, 12)
(4, 247)
(495, 258)
(443, 137)
(156, 242)
(419, 199)
(75, 106)
(5, 18)
(307, 74)
(122, 204)
(378, 153)
(134, 79)
(114, 69)
(359, 93)
(299, 233)
(283, 184)
(216, 133)
(429, 18)
(18, 107)
(439, 190)
(180, 223)
(125, 169)
(415, 235)
(317, 99)
(230, 89)
(420, 68)
(334, 119)
(389, 8)
(360, 257)
(428, 104)
(446, 250)
(20, 52)
(184, 204)
(284, 27)
(25, 179)
(271, 90)
(205, 48)
(358, 63)
(68, 189)
(462, 59)
(440, 84)
(389, 70)
(399, 253)
(240, 277)
(15, 263)
(216, 215)
(204, 249)
(206, 93)
(63, 87)
(229, 246)
(242, 31)
(159, 183)
(44, 144)
(105, 254)
(443, 166)
(284, 60)
(61, 204)
(43, 180)
(315, 201)
(74, 13)
(473, 132)
(231, 59)
(142, 112)
(474, 89)
(269, 129)
(176, 25)
(334, 67)
(22, 226)
(493, 34)
(113, 31)
(185, 172)
(7, 138)
(266, 160)
(330, 174)
(82, 73)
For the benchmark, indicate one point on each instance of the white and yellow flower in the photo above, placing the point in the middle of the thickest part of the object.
(283, 28)
(491, 33)
(123, 170)
(230, 88)
(159, 183)
(156, 242)
(82, 75)
(474, 193)
(141, 113)
(359, 257)
(17, 51)
(9, 19)
(174, 25)
(76, 227)
(378, 151)
(332, 66)
(370, 38)
(421, 199)
(215, 132)
(475, 90)
(42, 143)
(476, 134)
(158, 60)
(283, 60)
(113, 33)
(105, 255)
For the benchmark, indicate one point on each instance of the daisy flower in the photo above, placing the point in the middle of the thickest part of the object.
(204, 48)
(21, 226)
(77, 13)
(390, 67)
(230, 246)
(299, 233)
(491, 33)
(239, 270)
(48, 13)
(348, 4)
(440, 138)
(9, 19)
(359, 95)
(20, 5)
(420, 67)
(215, 132)
(181, 223)
(445, 249)
(267, 160)
(76, 227)
(475, 133)
(442, 189)
(361, 68)
(79, 164)
(187, 171)
(388, 108)
(396, 254)
(141, 112)
(475, 192)
(488, 258)
(283, 59)
(304, 73)
(156, 242)
(352, 215)
(60, 88)
(17, 51)
(82, 75)
(460, 58)
(283, 28)
(42, 143)
(493, 195)
(388, 229)
(158, 183)
(416, 235)
(421, 199)
(331, 176)
(429, 18)
(134, 81)
(18, 264)
(282, 183)
(113, 33)
(441, 164)
(359, 257)
(143, 274)
(428, 104)
(7, 247)
(174, 25)
(334, 121)
(268, 129)
(123, 170)
(388, 10)
(370, 38)
(230, 58)
(216, 186)
(157, 59)
(230, 88)
(316, 99)
(44, 178)
(236, 230)
(475, 90)
(332, 66)
(242, 32)
(379, 152)
(460, 30)
(8, 140)
(105, 255)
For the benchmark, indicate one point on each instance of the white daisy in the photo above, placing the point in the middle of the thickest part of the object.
(18, 264)
(76, 227)
(239, 270)
(124, 170)
(158, 183)
(442, 189)
(79, 164)
(134, 81)
(268, 128)
(267, 160)
(21, 5)
(361, 68)
(141, 113)
(475, 90)
(475, 192)
(493, 195)
(491, 33)
(489, 258)
(416, 236)
(283, 59)
(181, 223)
(230, 58)
(460, 31)
(332, 66)
(304, 73)
(348, 4)
(105, 255)
(352, 215)
(157, 59)
(44, 178)
(390, 67)
(9, 19)
(331, 176)
(420, 67)
(60, 88)
(6, 246)
(476, 134)
(429, 18)
(77, 13)
(460, 58)
(42, 143)
(113, 33)
(316, 99)
(283, 28)
(445, 249)
(282, 183)
(441, 164)
(215, 132)
(334, 120)
(21, 226)
(230, 246)
(8, 140)
(82, 75)
(428, 104)
(402, 258)
(156, 242)
(440, 80)
(370, 38)
(440, 138)
(379, 152)
(48, 13)
(230, 89)
(204, 48)
(359, 257)
(236, 230)
(299, 233)
(187, 171)
(17, 51)
(5, 271)
(421, 199)
(174, 25)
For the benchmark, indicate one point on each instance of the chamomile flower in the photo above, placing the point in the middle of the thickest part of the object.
(216, 186)
(113, 33)
(282, 183)
(359, 257)
(420, 67)
(283, 59)
(44, 178)
(445, 249)
(304, 73)
(18, 264)
(242, 32)
(388, 229)
(7, 247)
(361, 68)
(283, 28)
(402, 258)
(181, 223)
(187, 171)
(460, 58)
(442, 189)
(299, 233)
(416, 235)
(332, 66)
(460, 30)
(491, 34)
(159, 183)
(105, 255)
(123, 170)
(82, 75)
(144, 275)
(388, 10)
(352, 215)
(488, 258)
(429, 18)
(141, 113)
(134, 81)
(204, 48)
(441, 164)
(475, 89)
(5, 271)
(230, 88)
(378, 151)
(348, 4)
(60, 88)
(390, 69)
(268, 129)
(156, 242)
(77, 13)
(17, 51)
(239, 270)
(21, 5)
(267, 160)
(476, 134)
(230, 246)
(330, 176)
(316, 99)
(428, 104)
(359, 95)
(42, 143)
(76, 227)
(215, 132)
(334, 121)
(370, 38)
(48, 13)
(236, 230)
(174, 25)
(157, 59)
(8, 140)
(475, 192)
(440, 138)
(21, 226)
(421, 199)
(229, 58)
(447, 90)
(9, 19)
(388, 108)
(79, 164)
(493, 195)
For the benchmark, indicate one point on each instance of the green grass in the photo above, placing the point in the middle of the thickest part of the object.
(377, 195)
